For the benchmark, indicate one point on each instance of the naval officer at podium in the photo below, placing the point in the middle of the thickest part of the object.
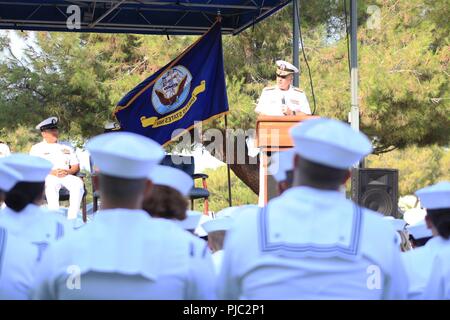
(283, 98)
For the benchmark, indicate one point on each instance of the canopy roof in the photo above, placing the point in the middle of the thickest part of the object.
(138, 16)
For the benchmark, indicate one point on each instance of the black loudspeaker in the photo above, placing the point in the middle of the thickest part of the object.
(376, 189)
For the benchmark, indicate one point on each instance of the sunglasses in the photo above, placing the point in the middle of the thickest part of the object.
(282, 76)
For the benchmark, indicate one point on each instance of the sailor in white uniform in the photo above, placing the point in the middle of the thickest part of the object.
(283, 98)
(18, 257)
(311, 242)
(430, 264)
(216, 229)
(65, 167)
(418, 261)
(23, 215)
(168, 200)
(125, 253)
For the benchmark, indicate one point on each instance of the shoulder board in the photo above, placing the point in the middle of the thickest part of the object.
(269, 88)
(298, 90)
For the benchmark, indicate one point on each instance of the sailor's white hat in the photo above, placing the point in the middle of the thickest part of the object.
(436, 196)
(218, 224)
(398, 224)
(125, 154)
(172, 177)
(32, 169)
(330, 142)
(8, 177)
(419, 230)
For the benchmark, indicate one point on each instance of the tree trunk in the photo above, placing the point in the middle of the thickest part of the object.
(249, 174)
(246, 168)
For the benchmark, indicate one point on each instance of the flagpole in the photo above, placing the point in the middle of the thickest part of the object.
(230, 203)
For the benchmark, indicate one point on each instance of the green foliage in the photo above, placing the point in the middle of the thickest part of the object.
(218, 188)
(21, 139)
(418, 167)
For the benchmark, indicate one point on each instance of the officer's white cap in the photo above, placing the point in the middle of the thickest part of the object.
(111, 126)
(172, 177)
(48, 123)
(281, 163)
(285, 67)
(124, 154)
(398, 224)
(414, 216)
(218, 224)
(436, 196)
(8, 177)
(32, 169)
(192, 220)
(419, 230)
(330, 142)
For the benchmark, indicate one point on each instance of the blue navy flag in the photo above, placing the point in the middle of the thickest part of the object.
(190, 88)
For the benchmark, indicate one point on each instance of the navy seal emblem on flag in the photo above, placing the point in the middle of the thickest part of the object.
(171, 89)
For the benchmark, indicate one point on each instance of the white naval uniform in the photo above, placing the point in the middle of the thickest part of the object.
(4, 150)
(217, 258)
(126, 254)
(311, 244)
(438, 286)
(36, 225)
(62, 156)
(18, 259)
(271, 101)
(418, 264)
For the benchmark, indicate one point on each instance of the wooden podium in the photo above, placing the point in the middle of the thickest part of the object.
(272, 135)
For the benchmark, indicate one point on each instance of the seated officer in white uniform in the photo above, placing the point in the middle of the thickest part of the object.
(125, 253)
(283, 98)
(17, 256)
(65, 167)
(23, 215)
(311, 242)
(428, 266)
